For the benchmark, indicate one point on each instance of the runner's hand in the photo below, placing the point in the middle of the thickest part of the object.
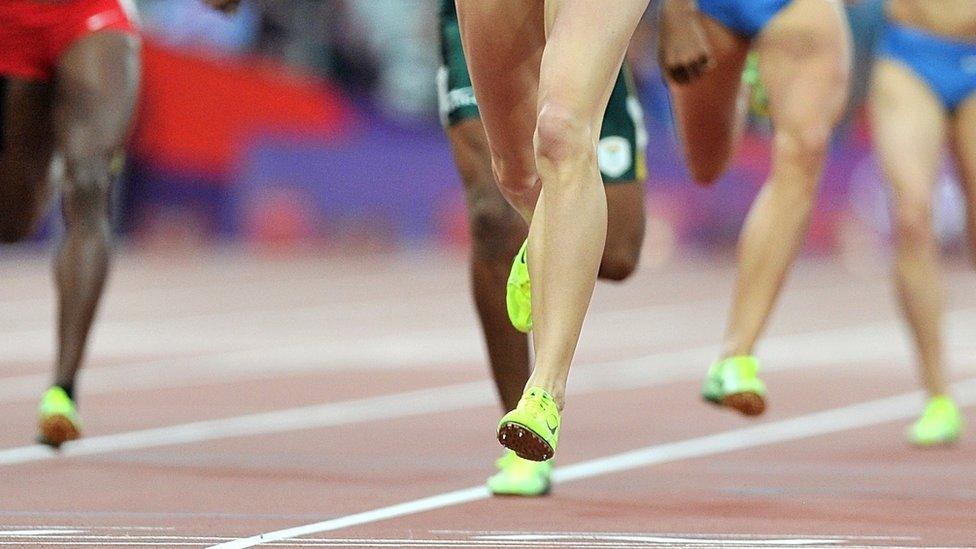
(683, 48)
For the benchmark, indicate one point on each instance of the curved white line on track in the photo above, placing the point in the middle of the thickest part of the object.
(866, 414)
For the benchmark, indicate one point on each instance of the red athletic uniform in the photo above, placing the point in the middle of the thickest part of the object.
(34, 34)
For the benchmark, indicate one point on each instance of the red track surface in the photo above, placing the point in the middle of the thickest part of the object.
(183, 341)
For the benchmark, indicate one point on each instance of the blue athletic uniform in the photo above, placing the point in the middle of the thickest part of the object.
(947, 65)
(747, 18)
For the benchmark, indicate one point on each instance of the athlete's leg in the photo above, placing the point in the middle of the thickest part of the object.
(909, 124)
(503, 43)
(497, 231)
(710, 111)
(97, 80)
(964, 142)
(625, 230)
(584, 47)
(584, 50)
(622, 157)
(804, 57)
(25, 156)
(577, 74)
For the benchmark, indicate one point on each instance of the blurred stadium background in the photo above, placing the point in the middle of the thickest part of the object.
(313, 123)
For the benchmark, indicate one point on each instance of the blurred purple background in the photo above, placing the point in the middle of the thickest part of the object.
(314, 122)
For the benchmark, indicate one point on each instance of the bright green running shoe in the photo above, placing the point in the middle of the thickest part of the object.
(758, 99)
(520, 477)
(941, 423)
(58, 420)
(518, 296)
(733, 382)
(531, 430)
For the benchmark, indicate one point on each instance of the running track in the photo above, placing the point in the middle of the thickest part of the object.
(235, 401)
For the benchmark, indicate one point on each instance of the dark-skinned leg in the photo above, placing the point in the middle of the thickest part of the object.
(497, 231)
(25, 156)
(625, 230)
(97, 84)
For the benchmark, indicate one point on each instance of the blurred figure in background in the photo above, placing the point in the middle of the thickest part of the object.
(497, 230)
(297, 32)
(70, 74)
(401, 36)
(923, 95)
(191, 24)
(803, 53)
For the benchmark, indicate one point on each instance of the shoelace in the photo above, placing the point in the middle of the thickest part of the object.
(537, 403)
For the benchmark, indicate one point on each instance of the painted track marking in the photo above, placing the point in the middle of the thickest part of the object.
(851, 344)
(420, 349)
(385, 350)
(305, 353)
(836, 420)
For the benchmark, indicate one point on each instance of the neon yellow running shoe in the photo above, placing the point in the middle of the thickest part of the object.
(518, 296)
(531, 430)
(758, 100)
(941, 423)
(520, 477)
(734, 383)
(58, 420)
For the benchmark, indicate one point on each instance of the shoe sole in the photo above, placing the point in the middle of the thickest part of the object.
(934, 445)
(503, 494)
(56, 430)
(945, 442)
(747, 404)
(525, 443)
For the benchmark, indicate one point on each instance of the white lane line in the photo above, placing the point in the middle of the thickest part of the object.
(425, 401)
(467, 545)
(150, 297)
(875, 412)
(92, 528)
(477, 534)
(663, 539)
(29, 533)
(847, 345)
(374, 354)
(205, 332)
(221, 331)
(219, 335)
(215, 333)
(650, 370)
(425, 348)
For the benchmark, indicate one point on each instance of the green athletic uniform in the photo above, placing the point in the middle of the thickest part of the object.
(623, 138)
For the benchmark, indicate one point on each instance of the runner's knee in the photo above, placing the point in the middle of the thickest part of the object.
(913, 222)
(472, 154)
(515, 178)
(87, 185)
(562, 139)
(800, 153)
